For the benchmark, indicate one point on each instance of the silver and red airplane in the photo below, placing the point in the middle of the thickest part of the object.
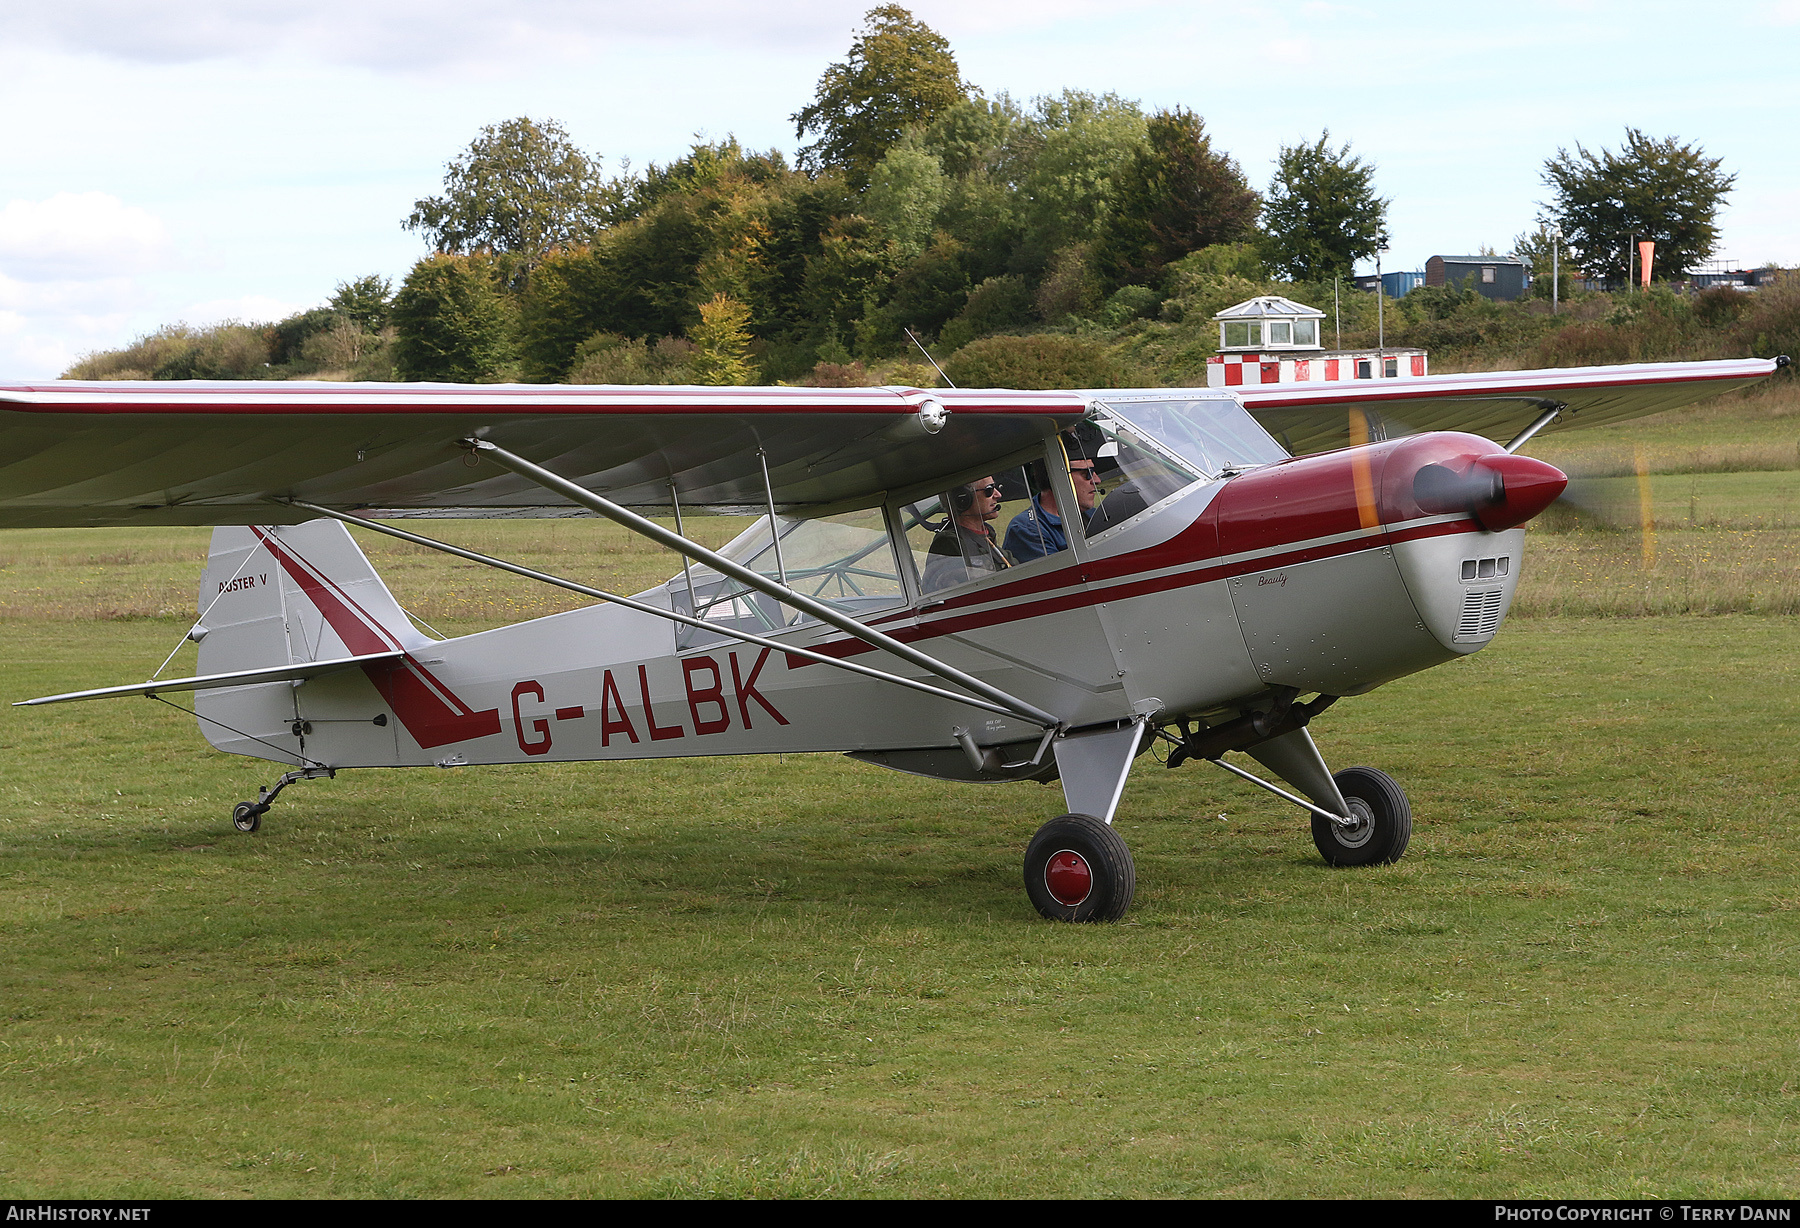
(968, 585)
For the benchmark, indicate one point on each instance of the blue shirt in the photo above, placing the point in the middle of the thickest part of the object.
(1034, 533)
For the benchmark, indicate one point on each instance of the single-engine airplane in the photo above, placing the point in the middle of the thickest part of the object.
(1207, 568)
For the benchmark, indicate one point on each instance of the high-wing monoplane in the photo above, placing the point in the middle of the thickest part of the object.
(968, 585)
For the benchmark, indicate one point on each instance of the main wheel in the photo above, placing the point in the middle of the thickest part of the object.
(1078, 869)
(247, 816)
(1383, 821)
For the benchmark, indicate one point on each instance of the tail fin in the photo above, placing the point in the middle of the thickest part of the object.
(294, 593)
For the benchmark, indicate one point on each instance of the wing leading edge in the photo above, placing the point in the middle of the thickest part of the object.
(1497, 404)
(198, 452)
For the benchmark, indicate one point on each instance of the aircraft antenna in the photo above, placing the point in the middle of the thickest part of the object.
(930, 359)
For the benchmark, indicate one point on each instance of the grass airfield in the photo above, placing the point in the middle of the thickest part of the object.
(804, 976)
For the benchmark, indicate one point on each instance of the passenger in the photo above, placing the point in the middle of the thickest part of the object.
(1038, 530)
(964, 549)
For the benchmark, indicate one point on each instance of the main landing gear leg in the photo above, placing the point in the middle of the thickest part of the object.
(1360, 816)
(1077, 867)
(247, 816)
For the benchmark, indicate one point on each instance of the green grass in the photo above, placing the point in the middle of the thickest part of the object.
(121, 575)
(759, 976)
(1691, 500)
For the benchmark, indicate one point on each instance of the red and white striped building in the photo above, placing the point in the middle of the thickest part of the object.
(1274, 340)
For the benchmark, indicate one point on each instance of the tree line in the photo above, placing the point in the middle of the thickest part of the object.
(1077, 238)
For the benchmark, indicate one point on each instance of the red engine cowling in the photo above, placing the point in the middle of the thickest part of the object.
(1384, 484)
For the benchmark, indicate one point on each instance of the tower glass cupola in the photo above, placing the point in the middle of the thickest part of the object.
(1269, 322)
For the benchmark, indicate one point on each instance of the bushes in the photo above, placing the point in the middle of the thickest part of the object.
(608, 358)
(231, 350)
(1129, 303)
(1048, 360)
(996, 304)
(1771, 324)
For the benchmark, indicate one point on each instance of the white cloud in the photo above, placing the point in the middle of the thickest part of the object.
(404, 32)
(246, 309)
(46, 325)
(78, 236)
(480, 33)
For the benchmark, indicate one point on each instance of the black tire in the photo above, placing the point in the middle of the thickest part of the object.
(1385, 821)
(1078, 869)
(247, 816)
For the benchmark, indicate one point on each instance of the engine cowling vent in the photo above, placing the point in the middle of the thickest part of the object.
(1487, 569)
(1480, 614)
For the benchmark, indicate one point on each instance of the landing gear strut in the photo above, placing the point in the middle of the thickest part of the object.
(247, 816)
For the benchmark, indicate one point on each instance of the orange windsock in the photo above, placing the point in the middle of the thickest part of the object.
(1646, 253)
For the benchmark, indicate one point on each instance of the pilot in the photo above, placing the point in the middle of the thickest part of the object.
(965, 549)
(1038, 530)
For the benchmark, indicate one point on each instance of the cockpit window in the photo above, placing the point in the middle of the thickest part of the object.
(1213, 434)
(1133, 475)
(845, 561)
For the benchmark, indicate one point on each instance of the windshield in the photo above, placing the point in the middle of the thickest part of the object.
(1213, 434)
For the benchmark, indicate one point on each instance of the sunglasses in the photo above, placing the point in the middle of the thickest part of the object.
(1087, 473)
(989, 489)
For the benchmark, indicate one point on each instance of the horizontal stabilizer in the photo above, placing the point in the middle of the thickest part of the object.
(209, 682)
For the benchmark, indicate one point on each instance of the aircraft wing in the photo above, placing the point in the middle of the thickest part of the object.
(200, 452)
(1497, 404)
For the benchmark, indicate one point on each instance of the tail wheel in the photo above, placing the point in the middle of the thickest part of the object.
(1078, 869)
(247, 816)
(1383, 821)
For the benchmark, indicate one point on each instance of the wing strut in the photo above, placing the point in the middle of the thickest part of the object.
(641, 607)
(1552, 411)
(824, 613)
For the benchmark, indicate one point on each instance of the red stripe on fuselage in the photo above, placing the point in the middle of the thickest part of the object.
(1302, 505)
(431, 712)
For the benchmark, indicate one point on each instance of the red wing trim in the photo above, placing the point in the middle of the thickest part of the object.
(1488, 385)
(486, 400)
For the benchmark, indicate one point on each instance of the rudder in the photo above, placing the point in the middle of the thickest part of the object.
(279, 595)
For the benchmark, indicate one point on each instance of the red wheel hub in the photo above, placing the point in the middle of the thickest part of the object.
(1068, 878)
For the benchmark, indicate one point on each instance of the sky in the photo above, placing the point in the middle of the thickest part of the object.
(202, 160)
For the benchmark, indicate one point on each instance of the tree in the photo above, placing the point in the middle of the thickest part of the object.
(1658, 190)
(521, 189)
(1322, 214)
(364, 302)
(905, 194)
(451, 321)
(899, 73)
(1075, 147)
(1177, 196)
(722, 343)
